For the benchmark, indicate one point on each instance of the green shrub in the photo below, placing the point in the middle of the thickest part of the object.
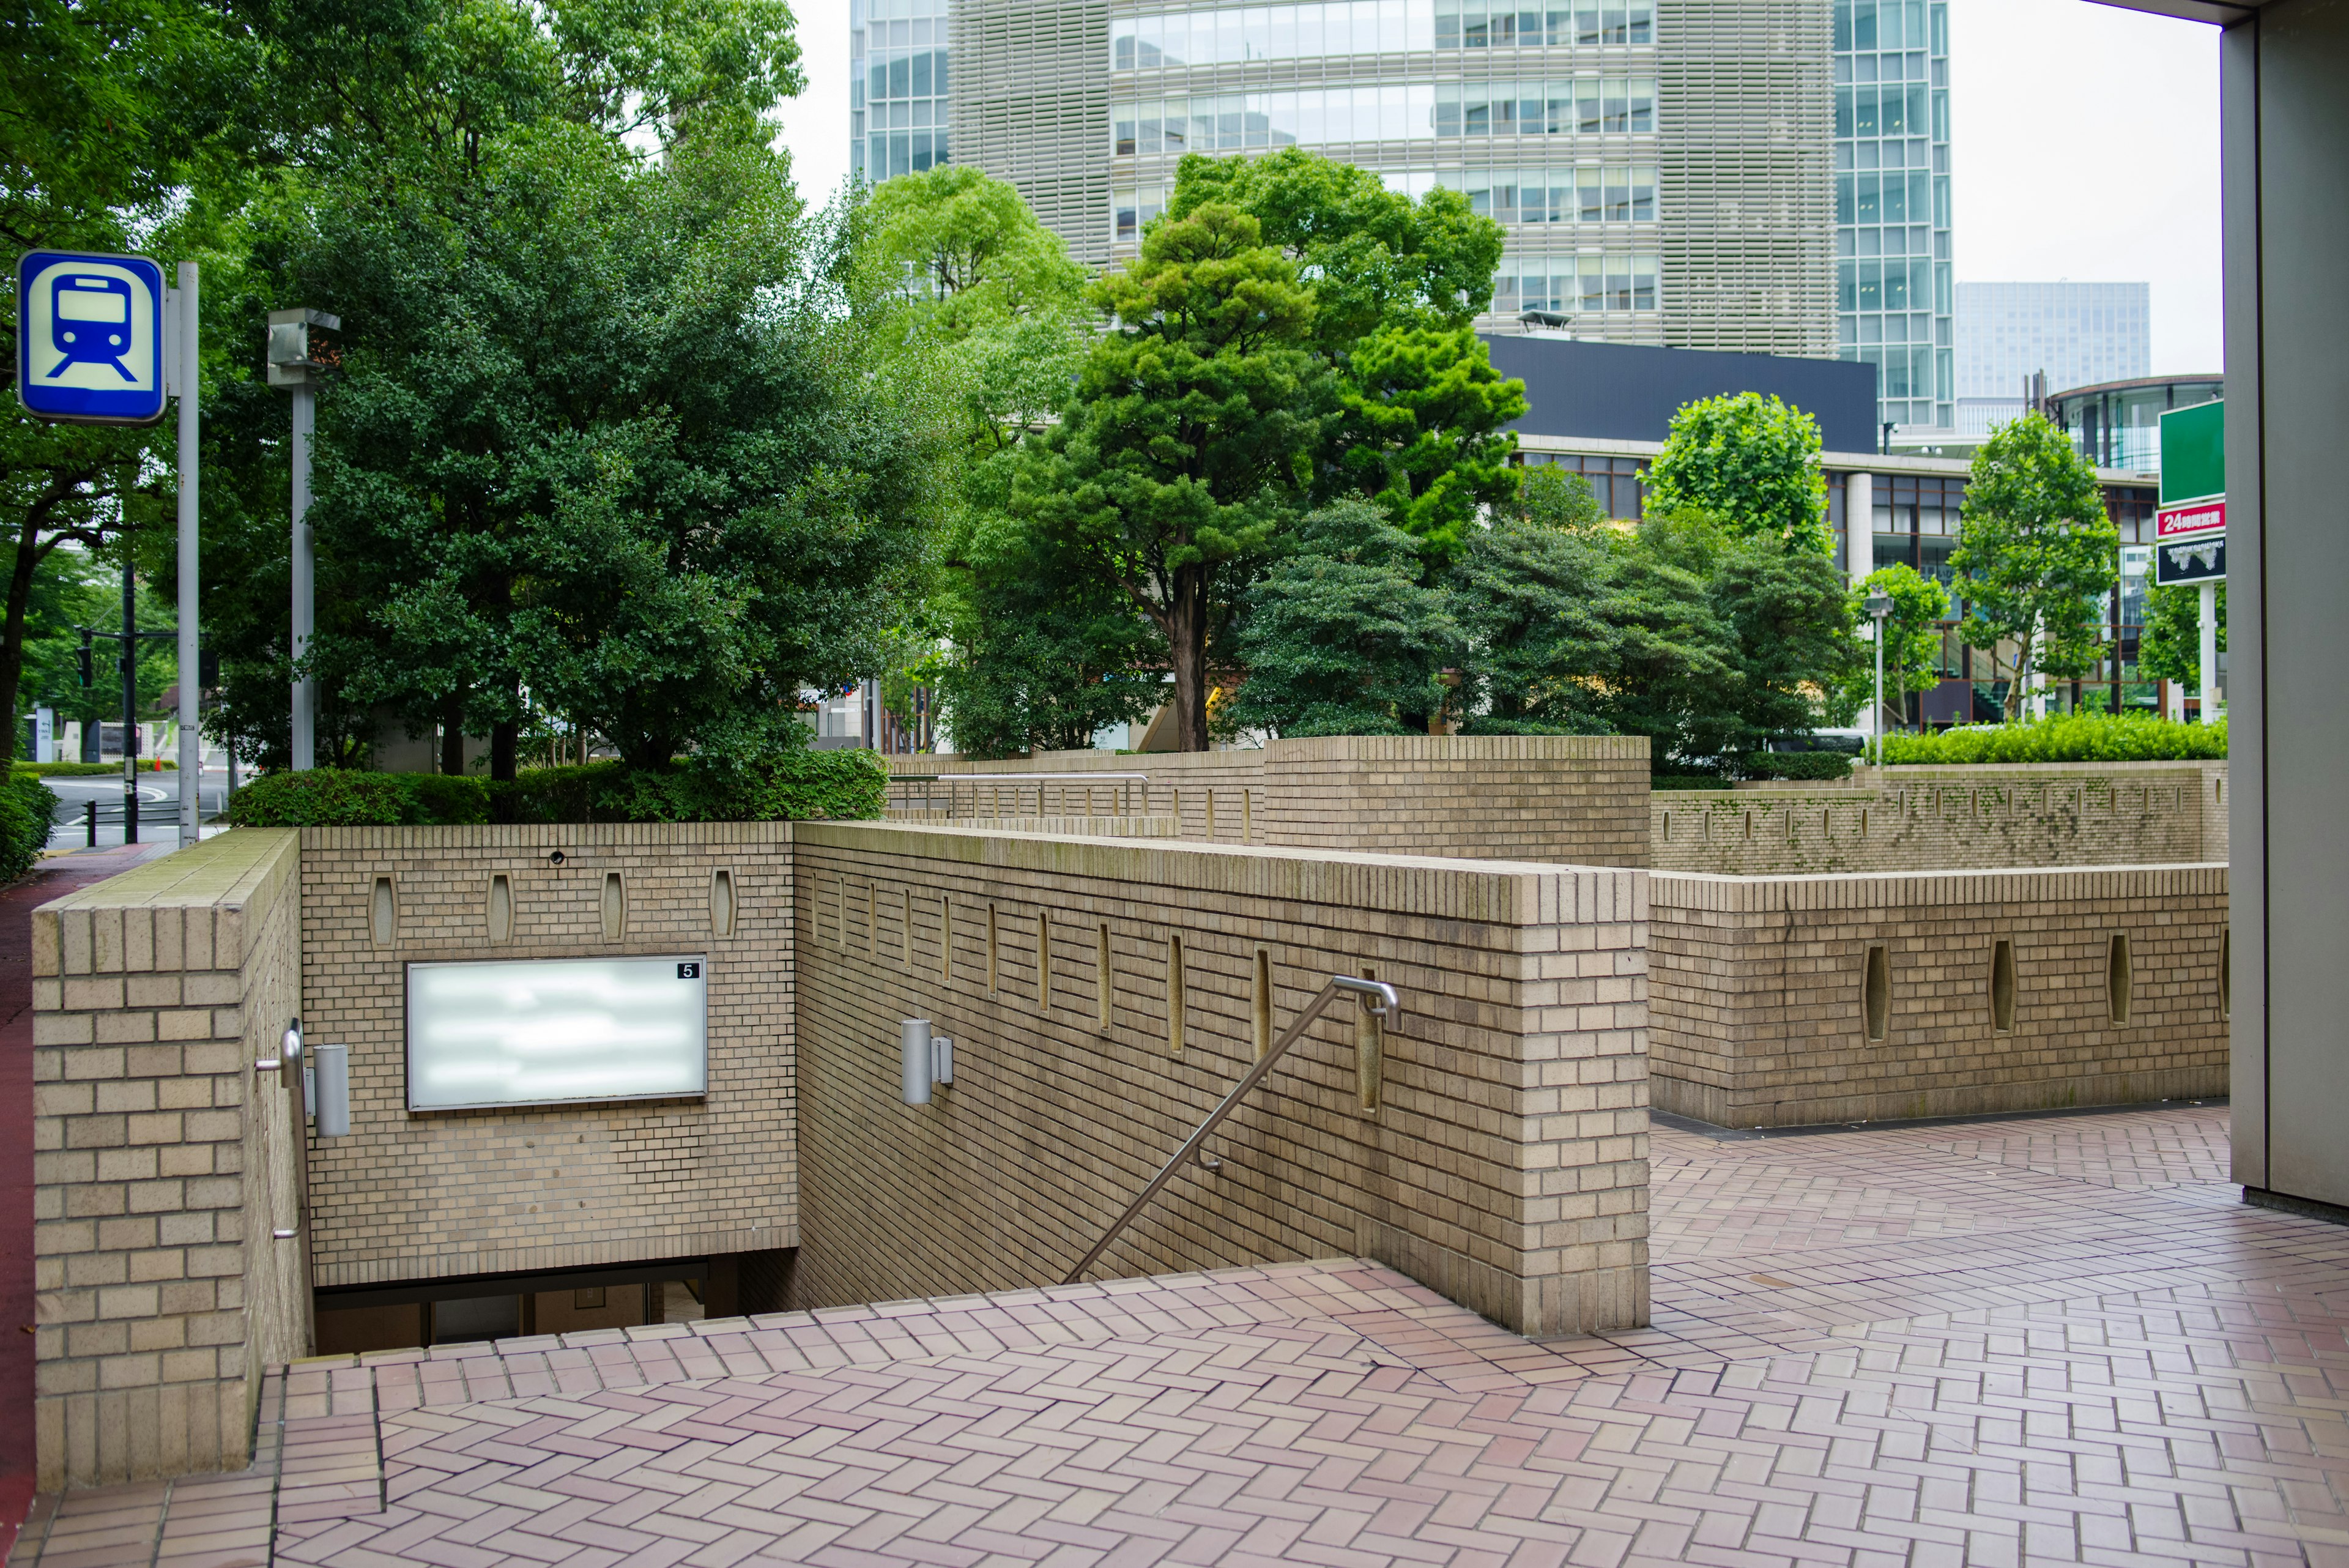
(445, 799)
(1805, 765)
(83, 770)
(2071, 738)
(27, 808)
(323, 797)
(1686, 780)
(798, 785)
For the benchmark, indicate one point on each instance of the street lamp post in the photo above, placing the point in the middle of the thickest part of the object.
(291, 365)
(1879, 610)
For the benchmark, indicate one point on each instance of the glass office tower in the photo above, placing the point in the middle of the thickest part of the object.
(1894, 300)
(1662, 167)
(898, 118)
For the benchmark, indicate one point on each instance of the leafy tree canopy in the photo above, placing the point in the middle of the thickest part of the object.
(1373, 258)
(2036, 553)
(604, 451)
(1394, 285)
(1338, 637)
(1912, 632)
(1185, 446)
(1533, 593)
(1752, 463)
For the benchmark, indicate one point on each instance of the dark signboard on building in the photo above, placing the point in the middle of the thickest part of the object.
(1622, 391)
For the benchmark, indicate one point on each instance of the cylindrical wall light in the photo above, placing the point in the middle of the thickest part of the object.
(333, 1107)
(914, 1061)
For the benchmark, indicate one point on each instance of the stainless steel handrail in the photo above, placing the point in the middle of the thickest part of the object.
(1383, 1002)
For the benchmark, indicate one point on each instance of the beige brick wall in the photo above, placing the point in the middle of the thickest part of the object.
(429, 1195)
(1757, 992)
(1563, 799)
(1506, 1165)
(163, 1160)
(1944, 818)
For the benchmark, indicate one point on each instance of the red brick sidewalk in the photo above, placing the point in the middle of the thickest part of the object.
(51, 878)
(1993, 1345)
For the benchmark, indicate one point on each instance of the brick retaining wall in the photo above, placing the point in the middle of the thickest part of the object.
(1505, 1167)
(1758, 993)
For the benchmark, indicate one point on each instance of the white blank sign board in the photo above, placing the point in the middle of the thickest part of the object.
(535, 1032)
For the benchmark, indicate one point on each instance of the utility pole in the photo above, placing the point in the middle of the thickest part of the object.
(2209, 651)
(1879, 607)
(291, 365)
(191, 755)
(129, 664)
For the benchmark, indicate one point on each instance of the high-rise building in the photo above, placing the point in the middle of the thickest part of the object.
(898, 118)
(1662, 167)
(2080, 334)
(1892, 204)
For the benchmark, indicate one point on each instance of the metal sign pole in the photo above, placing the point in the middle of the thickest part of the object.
(305, 690)
(129, 665)
(2209, 652)
(191, 769)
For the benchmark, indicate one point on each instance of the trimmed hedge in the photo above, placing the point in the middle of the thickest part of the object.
(341, 797)
(2071, 738)
(87, 770)
(1804, 765)
(789, 785)
(27, 810)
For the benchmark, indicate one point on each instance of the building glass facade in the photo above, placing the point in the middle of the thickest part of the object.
(1617, 143)
(899, 96)
(1546, 119)
(2119, 425)
(1895, 305)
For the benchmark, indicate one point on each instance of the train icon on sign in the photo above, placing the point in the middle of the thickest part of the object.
(90, 337)
(89, 321)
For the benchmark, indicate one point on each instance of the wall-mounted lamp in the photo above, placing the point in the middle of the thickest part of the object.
(331, 1102)
(923, 1059)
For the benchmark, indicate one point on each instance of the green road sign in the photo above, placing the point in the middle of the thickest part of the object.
(2194, 453)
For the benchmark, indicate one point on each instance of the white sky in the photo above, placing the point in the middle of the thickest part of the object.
(816, 124)
(2086, 147)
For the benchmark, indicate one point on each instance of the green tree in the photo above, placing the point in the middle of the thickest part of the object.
(1790, 630)
(970, 292)
(105, 106)
(1672, 673)
(1912, 633)
(603, 448)
(1750, 460)
(1046, 650)
(977, 307)
(1338, 637)
(1396, 286)
(1533, 593)
(2170, 646)
(1185, 446)
(2036, 554)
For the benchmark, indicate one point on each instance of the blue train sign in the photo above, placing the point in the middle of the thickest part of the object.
(89, 337)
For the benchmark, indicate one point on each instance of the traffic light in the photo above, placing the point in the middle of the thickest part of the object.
(84, 656)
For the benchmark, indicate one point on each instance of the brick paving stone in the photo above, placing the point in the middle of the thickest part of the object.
(2061, 1339)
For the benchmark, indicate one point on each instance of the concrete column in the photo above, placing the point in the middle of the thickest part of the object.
(1858, 525)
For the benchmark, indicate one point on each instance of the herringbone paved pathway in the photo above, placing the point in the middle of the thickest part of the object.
(1997, 1344)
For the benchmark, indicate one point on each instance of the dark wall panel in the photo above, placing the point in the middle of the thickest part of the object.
(1620, 392)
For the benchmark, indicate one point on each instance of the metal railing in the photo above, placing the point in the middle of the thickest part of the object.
(1378, 997)
(963, 793)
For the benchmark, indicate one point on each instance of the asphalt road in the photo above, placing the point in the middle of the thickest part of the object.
(158, 806)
